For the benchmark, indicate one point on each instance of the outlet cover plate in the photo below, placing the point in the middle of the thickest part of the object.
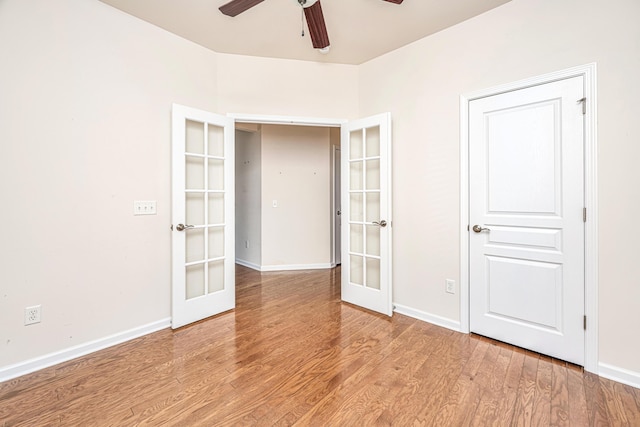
(32, 315)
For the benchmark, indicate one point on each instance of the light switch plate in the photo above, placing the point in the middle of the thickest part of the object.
(450, 286)
(144, 207)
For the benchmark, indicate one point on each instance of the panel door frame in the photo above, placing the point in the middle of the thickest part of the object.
(588, 72)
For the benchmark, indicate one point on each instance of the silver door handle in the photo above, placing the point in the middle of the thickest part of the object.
(382, 223)
(479, 229)
(181, 227)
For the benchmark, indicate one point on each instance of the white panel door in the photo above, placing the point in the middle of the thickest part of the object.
(203, 238)
(366, 213)
(526, 218)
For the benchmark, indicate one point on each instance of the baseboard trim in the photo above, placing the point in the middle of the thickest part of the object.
(248, 264)
(28, 366)
(291, 267)
(620, 375)
(294, 267)
(427, 317)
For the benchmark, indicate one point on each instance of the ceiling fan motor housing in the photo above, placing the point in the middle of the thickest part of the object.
(307, 3)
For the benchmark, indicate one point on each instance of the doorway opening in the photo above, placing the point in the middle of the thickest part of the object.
(287, 196)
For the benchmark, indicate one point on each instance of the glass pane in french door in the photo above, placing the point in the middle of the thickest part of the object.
(204, 206)
(364, 207)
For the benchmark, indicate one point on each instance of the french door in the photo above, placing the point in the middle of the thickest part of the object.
(203, 246)
(366, 213)
(526, 236)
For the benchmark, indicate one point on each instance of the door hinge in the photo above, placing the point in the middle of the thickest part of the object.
(584, 323)
(584, 214)
(584, 105)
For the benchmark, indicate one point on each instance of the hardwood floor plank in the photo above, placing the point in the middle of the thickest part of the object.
(541, 412)
(292, 353)
(480, 382)
(337, 401)
(401, 381)
(630, 403)
(453, 404)
(420, 387)
(27, 382)
(506, 402)
(621, 405)
(487, 409)
(596, 401)
(453, 362)
(559, 394)
(635, 393)
(391, 376)
(578, 414)
(525, 395)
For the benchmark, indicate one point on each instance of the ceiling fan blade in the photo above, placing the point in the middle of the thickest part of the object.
(236, 7)
(317, 27)
(394, 1)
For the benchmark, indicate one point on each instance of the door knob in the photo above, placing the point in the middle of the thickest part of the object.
(382, 223)
(181, 227)
(479, 229)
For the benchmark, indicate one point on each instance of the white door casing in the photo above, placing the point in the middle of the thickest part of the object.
(336, 206)
(203, 237)
(366, 213)
(526, 201)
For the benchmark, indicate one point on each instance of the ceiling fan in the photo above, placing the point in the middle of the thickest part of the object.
(312, 13)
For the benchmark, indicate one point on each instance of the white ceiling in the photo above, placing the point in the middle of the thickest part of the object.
(359, 30)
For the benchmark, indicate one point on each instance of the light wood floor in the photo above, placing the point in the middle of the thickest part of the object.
(292, 354)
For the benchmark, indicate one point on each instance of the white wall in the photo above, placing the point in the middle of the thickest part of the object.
(253, 85)
(85, 129)
(248, 198)
(421, 84)
(295, 173)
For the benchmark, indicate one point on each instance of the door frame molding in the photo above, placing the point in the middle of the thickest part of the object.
(335, 201)
(287, 120)
(588, 72)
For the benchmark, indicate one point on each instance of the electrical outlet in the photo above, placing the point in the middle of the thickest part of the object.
(32, 315)
(450, 286)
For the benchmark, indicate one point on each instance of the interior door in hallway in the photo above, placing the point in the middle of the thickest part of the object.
(526, 234)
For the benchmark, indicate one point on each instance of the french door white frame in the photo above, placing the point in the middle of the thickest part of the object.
(336, 238)
(588, 72)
